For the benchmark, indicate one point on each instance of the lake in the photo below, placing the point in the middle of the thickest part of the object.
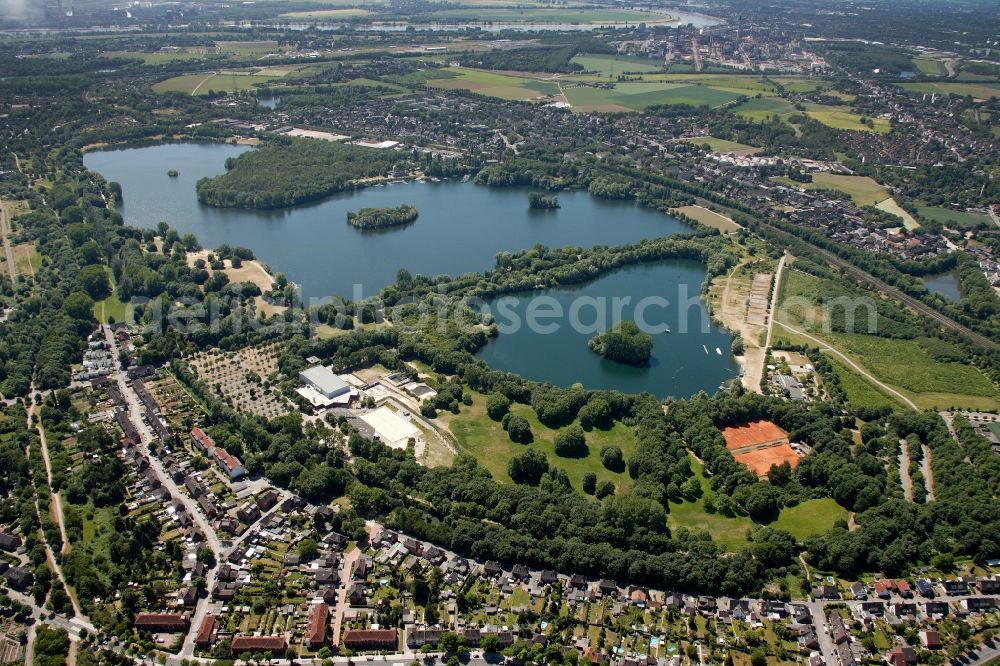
(945, 284)
(461, 228)
(685, 360)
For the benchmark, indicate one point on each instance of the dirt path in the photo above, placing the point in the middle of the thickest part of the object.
(928, 473)
(201, 83)
(825, 346)
(904, 470)
(7, 250)
(50, 555)
(774, 300)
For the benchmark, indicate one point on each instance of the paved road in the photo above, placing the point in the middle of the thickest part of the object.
(135, 411)
(826, 648)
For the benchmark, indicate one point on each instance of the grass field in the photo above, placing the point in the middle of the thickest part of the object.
(503, 86)
(863, 190)
(709, 218)
(810, 518)
(202, 83)
(837, 118)
(159, 57)
(485, 439)
(724, 145)
(831, 116)
(860, 392)
(983, 90)
(612, 65)
(890, 206)
(954, 218)
(906, 365)
(765, 107)
(930, 66)
(731, 533)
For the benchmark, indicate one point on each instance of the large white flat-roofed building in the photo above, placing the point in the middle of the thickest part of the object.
(324, 381)
(392, 429)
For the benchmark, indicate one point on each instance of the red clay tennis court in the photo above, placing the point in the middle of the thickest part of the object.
(759, 461)
(756, 433)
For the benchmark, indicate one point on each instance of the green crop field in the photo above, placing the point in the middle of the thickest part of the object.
(638, 95)
(863, 190)
(764, 108)
(837, 118)
(983, 90)
(339, 14)
(955, 218)
(611, 65)
(503, 86)
(158, 57)
(484, 438)
(223, 81)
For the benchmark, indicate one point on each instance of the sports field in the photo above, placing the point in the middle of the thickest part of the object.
(504, 86)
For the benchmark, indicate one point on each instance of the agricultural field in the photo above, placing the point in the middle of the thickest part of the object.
(229, 81)
(256, 47)
(953, 218)
(503, 86)
(339, 14)
(163, 56)
(840, 119)
(613, 65)
(709, 218)
(864, 191)
(978, 90)
(860, 392)
(764, 108)
(638, 95)
(485, 439)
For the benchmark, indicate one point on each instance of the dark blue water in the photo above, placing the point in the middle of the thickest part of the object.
(663, 295)
(461, 226)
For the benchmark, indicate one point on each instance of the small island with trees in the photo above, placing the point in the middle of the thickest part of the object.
(539, 201)
(379, 218)
(623, 343)
(172, 173)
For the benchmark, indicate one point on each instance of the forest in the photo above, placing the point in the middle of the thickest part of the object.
(289, 171)
(379, 218)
